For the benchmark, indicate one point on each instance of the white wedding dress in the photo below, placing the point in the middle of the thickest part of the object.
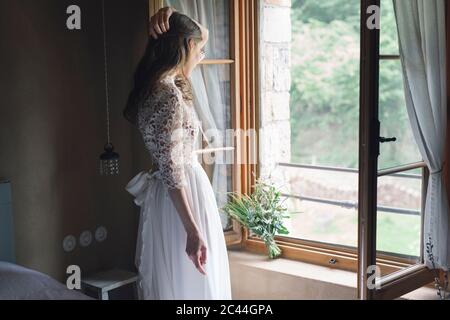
(170, 127)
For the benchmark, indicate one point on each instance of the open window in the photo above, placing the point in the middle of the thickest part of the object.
(381, 61)
(320, 167)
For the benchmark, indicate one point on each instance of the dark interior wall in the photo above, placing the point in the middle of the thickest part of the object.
(52, 129)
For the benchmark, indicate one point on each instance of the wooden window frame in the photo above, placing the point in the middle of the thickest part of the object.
(245, 103)
(415, 276)
(334, 256)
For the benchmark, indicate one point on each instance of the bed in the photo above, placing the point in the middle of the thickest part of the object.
(17, 282)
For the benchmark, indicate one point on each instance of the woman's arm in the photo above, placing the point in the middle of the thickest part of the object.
(195, 247)
(165, 131)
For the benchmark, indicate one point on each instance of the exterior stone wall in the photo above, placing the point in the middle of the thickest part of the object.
(275, 144)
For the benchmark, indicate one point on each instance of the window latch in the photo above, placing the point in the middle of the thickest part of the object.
(384, 140)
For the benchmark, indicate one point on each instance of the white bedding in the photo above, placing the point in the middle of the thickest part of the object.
(19, 283)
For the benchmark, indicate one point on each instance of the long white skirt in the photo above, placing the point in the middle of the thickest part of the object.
(165, 270)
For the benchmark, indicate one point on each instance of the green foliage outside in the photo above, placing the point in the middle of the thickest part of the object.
(325, 100)
(325, 86)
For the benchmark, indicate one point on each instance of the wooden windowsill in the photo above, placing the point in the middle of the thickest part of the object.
(293, 268)
(254, 276)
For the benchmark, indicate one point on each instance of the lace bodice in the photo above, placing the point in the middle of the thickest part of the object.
(169, 127)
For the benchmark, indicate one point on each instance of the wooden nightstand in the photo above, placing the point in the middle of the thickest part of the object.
(100, 284)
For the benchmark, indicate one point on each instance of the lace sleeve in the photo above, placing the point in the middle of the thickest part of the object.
(165, 137)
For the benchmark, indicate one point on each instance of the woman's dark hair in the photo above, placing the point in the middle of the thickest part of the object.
(161, 57)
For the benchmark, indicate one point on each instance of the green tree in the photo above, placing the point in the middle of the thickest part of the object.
(325, 85)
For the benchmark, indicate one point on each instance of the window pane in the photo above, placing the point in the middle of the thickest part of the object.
(217, 86)
(394, 119)
(334, 223)
(388, 32)
(211, 85)
(322, 223)
(215, 16)
(399, 196)
(398, 231)
(325, 61)
(325, 82)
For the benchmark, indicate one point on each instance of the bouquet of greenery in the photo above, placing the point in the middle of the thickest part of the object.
(262, 213)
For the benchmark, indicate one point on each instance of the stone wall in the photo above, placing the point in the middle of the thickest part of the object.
(275, 49)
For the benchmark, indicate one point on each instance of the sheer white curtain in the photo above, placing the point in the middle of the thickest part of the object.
(210, 99)
(422, 37)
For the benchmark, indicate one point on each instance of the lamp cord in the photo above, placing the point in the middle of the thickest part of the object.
(106, 73)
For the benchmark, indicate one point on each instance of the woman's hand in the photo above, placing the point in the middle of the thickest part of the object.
(195, 246)
(159, 23)
(196, 250)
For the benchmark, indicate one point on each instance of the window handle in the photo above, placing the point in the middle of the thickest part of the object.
(384, 140)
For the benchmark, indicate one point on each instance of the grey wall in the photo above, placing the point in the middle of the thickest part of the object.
(52, 129)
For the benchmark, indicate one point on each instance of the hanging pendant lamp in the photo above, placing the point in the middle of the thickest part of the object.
(109, 160)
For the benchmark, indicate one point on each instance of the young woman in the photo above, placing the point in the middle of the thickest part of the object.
(181, 250)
